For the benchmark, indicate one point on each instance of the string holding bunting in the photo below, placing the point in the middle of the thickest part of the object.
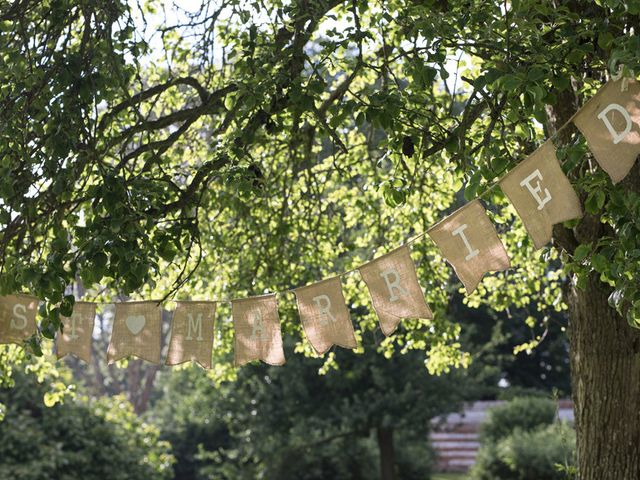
(324, 315)
(136, 331)
(395, 292)
(610, 121)
(17, 318)
(541, 194)
(470, 243)
(192, 333)
(77, 332)
(257, 330)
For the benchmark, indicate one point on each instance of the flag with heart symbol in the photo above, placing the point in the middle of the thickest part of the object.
(137, 328)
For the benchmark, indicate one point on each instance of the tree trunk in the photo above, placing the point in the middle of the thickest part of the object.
(604, 349)
(605, 371)
(387, 453)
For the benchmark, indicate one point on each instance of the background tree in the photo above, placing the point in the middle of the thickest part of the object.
(292, 140)
(76, 439)
(291, 423)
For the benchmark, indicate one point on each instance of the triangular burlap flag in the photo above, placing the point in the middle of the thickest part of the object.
(610, 121)
(77, 332)
(541, 194)
(17, 318)
(257, 330)
(469, 242)
(324, 315)
(137, 328)
(192, 333)
(394, 289)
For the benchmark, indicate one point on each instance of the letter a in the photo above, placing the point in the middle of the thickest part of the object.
(18, 314)
(460, 231)
(535, 191)
(395, 289)
(617, 136)
(195, 325)
(323, 302)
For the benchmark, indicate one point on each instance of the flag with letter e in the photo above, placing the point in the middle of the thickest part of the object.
(541, 194)
(394, 289)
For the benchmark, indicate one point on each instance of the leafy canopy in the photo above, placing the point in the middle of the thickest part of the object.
(235, 147)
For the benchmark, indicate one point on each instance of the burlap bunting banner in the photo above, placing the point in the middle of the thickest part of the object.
(537, 188)
(324, 315)
(257, 330)
(17, 318)
(137, 328)
(394, 289)
(610, 122)
(469, 242)
(192, 333)
(77, 332)
(541, 194)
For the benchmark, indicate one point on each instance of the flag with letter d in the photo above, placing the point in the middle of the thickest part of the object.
(610, 121)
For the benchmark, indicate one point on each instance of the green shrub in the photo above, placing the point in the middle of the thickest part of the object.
(542, 454)
(524, 413)
(77, 439)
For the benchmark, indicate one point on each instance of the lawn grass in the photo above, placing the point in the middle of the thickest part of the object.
(449, 476)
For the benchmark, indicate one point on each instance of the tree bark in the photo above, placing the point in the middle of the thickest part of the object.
(605, 371)
(604, 349)
(387, 453)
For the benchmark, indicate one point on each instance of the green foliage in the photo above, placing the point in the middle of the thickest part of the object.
(520, 441)
(524, 413)
(291, 423)
(545, 453)
(293, 141)
(76, 439)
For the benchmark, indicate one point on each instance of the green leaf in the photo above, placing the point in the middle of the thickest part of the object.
(66, 306)
(581, 252)
(595, 201)
(599, 263)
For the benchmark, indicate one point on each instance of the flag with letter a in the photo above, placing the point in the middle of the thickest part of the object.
(77, 332)
(541, 194)
(610, 121)
(17, 318)
(192, 333)
(257, 330)
(137, 328)
(394, 289)
(324, 315)
(469, 242)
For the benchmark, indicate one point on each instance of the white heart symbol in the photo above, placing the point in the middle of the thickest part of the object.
(135, 323)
